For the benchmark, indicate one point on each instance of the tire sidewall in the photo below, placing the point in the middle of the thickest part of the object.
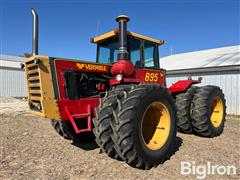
(216, 93)
(144, 151)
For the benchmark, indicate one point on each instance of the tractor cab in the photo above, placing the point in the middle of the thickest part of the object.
(143, 51)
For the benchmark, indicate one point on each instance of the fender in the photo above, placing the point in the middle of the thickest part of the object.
(182, 85)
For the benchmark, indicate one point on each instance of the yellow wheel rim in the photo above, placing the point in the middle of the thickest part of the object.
(216, 111)
(155, 126)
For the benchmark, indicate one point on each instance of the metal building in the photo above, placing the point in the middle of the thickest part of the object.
(12, 77)
(219, 67)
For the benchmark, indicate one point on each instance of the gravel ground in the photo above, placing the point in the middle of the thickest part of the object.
(31, 149)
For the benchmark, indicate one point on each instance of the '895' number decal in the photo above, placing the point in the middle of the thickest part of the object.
(151, 77)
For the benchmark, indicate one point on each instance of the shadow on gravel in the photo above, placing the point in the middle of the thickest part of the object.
(176, 146)
(88, 146)
(178, 143)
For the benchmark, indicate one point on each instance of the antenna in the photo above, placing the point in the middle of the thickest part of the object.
(97, 28)
(171, 50)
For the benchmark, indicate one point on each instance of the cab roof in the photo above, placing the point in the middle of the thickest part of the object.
(114, 33)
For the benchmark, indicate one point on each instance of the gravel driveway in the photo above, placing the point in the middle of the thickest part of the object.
(31, 149)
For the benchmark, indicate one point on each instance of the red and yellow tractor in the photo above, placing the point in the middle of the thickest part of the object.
(121, 100)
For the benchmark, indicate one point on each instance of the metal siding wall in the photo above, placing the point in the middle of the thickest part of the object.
(228, 81)
(12, 83)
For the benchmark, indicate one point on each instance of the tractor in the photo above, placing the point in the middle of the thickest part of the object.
(121, 101)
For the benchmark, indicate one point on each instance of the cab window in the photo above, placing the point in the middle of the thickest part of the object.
(142, 54)
(107, 52)
(134, 50)
(151, 55)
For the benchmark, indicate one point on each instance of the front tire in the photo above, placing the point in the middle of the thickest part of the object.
(104, 115)
(65, 129)
(62, 129)
(144, 126)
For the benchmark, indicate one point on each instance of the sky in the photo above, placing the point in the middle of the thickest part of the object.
(66, 26)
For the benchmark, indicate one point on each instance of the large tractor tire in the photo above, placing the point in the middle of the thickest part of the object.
(65, 129)
(184, 110)
(62, 129)
(209, 111)
(144, 125)
(104, 115)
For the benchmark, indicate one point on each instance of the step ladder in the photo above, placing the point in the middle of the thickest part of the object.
(83, 116)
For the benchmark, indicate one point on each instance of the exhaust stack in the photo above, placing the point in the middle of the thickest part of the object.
(123, 67)
(35, 33)
(122, 51)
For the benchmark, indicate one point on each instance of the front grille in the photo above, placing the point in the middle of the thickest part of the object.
(34, 86)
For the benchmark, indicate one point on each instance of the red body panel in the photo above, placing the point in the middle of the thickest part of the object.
(83, 109)
(82, 117)
(63, 65)
(124, 67)
(143, 76)
(140, 75)
(78, 106)
(182, 85)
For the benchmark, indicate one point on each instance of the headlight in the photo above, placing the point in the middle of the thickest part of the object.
(22, 65)
(119, 77)
(36, 61)
(39, 107)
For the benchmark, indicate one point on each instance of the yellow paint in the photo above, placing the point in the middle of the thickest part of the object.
(151, 77)
(156, 125)
(103, 37)
(114, 33)
(160, 42)
(216, 111)
(41, 92)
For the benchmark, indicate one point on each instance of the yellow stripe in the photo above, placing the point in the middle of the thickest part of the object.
(33, 71)
(33, 78)
(35, 91)
(34, 85)
(114, 33)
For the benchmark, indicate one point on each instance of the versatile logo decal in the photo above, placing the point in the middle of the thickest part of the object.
(92, 67)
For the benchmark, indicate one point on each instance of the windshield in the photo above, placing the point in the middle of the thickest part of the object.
(141, 53)
(151, 59)
(107, 52)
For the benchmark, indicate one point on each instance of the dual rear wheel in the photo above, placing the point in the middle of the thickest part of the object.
(201, 110)
(209, 111)
(137, 124)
